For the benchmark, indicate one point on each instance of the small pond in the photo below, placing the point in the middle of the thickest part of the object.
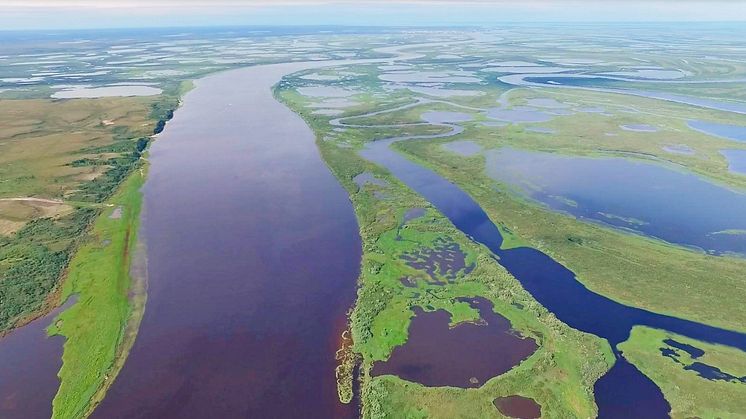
(445, 117)
(518, 115)
(466, 355)
(518, 407)
(736, 160)
(94, 92)
(639, 128)
(730, 132)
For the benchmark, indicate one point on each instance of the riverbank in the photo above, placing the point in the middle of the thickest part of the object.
(108, 277)
(385, 302)
(101, 326)
(630, 268)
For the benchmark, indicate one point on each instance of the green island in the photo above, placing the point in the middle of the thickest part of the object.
(383, 311)
(667, 359)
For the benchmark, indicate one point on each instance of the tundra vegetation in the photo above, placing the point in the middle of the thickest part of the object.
(71, 169)
(637, 270)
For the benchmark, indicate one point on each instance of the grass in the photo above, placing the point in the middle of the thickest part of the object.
(381, 317)
(629, 268)
(79, 159)
(689, 394)
(68, 156)
(39, 139)
(98, 277)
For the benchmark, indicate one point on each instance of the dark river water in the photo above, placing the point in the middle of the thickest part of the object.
(253, 255)
(624, 392)
(29, 361)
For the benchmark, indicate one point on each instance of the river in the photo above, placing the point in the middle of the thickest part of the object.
(253, 255)
(624, 391)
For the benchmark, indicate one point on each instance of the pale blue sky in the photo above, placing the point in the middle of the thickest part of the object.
(41, 14)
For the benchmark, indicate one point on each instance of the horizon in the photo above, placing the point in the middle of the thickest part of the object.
(132, 14)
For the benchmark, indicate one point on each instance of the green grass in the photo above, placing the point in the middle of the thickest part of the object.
(94, 327)
(689, 394)
(383, 310)
(626, 267)
(629, 268)
(75, 151)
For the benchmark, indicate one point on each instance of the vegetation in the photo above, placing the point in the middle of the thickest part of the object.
(102, 325)
(61, 160)
(629, 268)
(633, 269)
(667, 359)
(95, 325)
(383, 311)
(90, 236)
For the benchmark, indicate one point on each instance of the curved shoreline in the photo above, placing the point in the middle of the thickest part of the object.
(167, 166)
(565, 296)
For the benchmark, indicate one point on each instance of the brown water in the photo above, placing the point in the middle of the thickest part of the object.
(518, 407)
(29, 361)
(463, 356)
(253, 254)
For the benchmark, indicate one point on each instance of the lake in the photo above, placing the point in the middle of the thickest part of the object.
(437, 354)
(624, 391)
(736, 160)
(644, 197)
(727, 131)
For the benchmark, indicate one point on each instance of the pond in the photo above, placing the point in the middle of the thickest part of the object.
(727, 131)
(106, 91)
(518, 407)
(639, 128)
(645, 197)
(464, 148)
(624, 391)
(679, 149)
(445, 117)
(466, 355)
(518, 115)
(736, 160)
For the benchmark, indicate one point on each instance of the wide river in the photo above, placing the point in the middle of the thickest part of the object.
(253, 255)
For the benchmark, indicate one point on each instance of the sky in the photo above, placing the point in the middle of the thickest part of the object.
(76, 14)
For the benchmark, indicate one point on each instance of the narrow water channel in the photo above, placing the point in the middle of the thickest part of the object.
(253, 255)
(29, 361)
(624, 391)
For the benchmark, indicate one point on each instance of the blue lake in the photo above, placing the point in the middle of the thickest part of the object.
(648, 198)
(624, 391)
(736, 160)
(730, 132)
